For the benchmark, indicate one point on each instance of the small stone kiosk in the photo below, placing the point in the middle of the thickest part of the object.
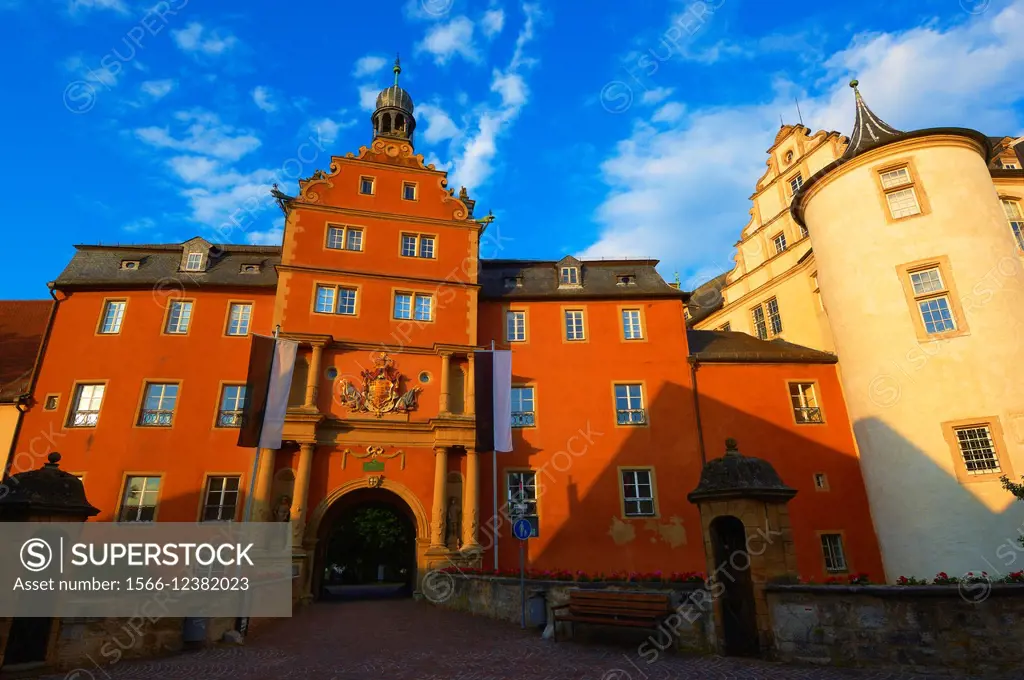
(748, 542)
(45, 495)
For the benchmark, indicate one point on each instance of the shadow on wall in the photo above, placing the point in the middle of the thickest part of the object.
(955, 530)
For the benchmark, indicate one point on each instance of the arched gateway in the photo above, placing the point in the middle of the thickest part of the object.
(370, 493)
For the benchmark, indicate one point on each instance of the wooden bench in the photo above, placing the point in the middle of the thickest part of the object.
(613, 608)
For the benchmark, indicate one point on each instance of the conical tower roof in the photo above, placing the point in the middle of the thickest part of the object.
(869, 130)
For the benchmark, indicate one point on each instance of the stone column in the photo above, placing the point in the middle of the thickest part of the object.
(262, 503)
(445, 379)
(301, 500)
(313, 378)
(440, 493)
(471, 502)
(470, 391)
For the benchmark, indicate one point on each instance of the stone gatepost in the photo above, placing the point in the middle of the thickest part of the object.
(45, 495)
(748, 542)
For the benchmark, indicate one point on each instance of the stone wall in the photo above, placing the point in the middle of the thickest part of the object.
(499, 598)
(938, 629)
(87, 643)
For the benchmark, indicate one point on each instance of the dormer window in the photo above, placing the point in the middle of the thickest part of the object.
(570, 276)
(194, 263)
(625, 280)
(513, 282)
(796, 182)
(250, 269)
(130, 265)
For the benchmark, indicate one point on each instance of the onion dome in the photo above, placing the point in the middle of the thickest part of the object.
(48, 491)
(393, 115)
(737, 476)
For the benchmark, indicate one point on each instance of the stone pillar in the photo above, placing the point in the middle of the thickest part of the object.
(471, 502)
(301, 500)
(445, 379)
(262, 503)
(313, 378)
(440, 510)
(470, 392)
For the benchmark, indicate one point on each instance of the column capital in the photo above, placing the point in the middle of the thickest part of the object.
(307, 446)
(441, 449)
(446, 353)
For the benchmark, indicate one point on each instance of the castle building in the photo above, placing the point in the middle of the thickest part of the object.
(23, 325)
(901, 252)
(616, 405)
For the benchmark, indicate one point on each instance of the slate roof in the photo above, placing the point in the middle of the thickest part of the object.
(100, 266)
(733, 346)
(706, 299)
(22, 328)
(600, 279)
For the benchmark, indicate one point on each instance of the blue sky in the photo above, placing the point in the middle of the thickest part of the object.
(591, 128)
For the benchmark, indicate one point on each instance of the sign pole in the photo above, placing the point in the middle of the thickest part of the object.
(494, 516)
(522, 582)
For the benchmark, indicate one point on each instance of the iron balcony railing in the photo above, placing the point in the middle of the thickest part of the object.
(632, 416)
(522, 419)
(229, 419)
(156, 418)
(84, 418)
(808, 414)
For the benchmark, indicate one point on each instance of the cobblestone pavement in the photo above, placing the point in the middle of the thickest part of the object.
(406, 640)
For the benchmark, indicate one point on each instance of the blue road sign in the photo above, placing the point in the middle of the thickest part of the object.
(522, 529)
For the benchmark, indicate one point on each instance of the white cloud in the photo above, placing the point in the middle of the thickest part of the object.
(434, 124)
(263, 99)
(656, 95)
(368, 66)
(326, 129)
(158, 89)
(142, 224)
(475, 156)
(669, 112)
(203, 133)
(76, 6)
(100, 75)
(658, 198)
(444, 41)
(492, 23)
(368, 97)
(270, 237)
(197, 40)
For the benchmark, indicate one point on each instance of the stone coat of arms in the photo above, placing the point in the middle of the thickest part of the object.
(379, 392)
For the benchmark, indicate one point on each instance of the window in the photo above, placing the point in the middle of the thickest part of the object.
(796, 183)
(803, 232)
(249, 269)
(1013, 214)
(85, 409)
(805, 403)
(522, 497)
(932, 301)
(1011, 166)
(766, 319)
(686, 313)
(409, 191)
(344, 238)
(625, 280)
(239, 315)
(113, 315)
(513, 282)
(516, 326)
(726, 326)
(832, 550)
(570, 276)
(336, 300)
(410, 305)
(632, 329)
(51, 403)
(574, 324)
(130, 265)
(900, 193)
(522, 407)
(417, 245)
(194, 262)
(366, 185)
(820, 481)
(140, 498)
(779, 242)
(629, 405)
(221, 499)
(789, 157)
(977, 450)
(178, 316)
(638, 493)
(232, 401)
(158, 405)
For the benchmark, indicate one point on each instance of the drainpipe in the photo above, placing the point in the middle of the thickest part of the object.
(23, 400)
(694, 365)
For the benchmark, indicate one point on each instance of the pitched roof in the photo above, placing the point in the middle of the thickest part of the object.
(733, 346)
(706, 299)
(538, 279)
(22, 327)
(160, 264)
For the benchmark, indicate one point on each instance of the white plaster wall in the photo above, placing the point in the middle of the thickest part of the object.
(899, 391)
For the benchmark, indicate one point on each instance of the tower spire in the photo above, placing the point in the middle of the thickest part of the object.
(869, 130)
(397, 69)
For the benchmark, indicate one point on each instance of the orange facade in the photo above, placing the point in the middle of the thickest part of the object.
(380, 257)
